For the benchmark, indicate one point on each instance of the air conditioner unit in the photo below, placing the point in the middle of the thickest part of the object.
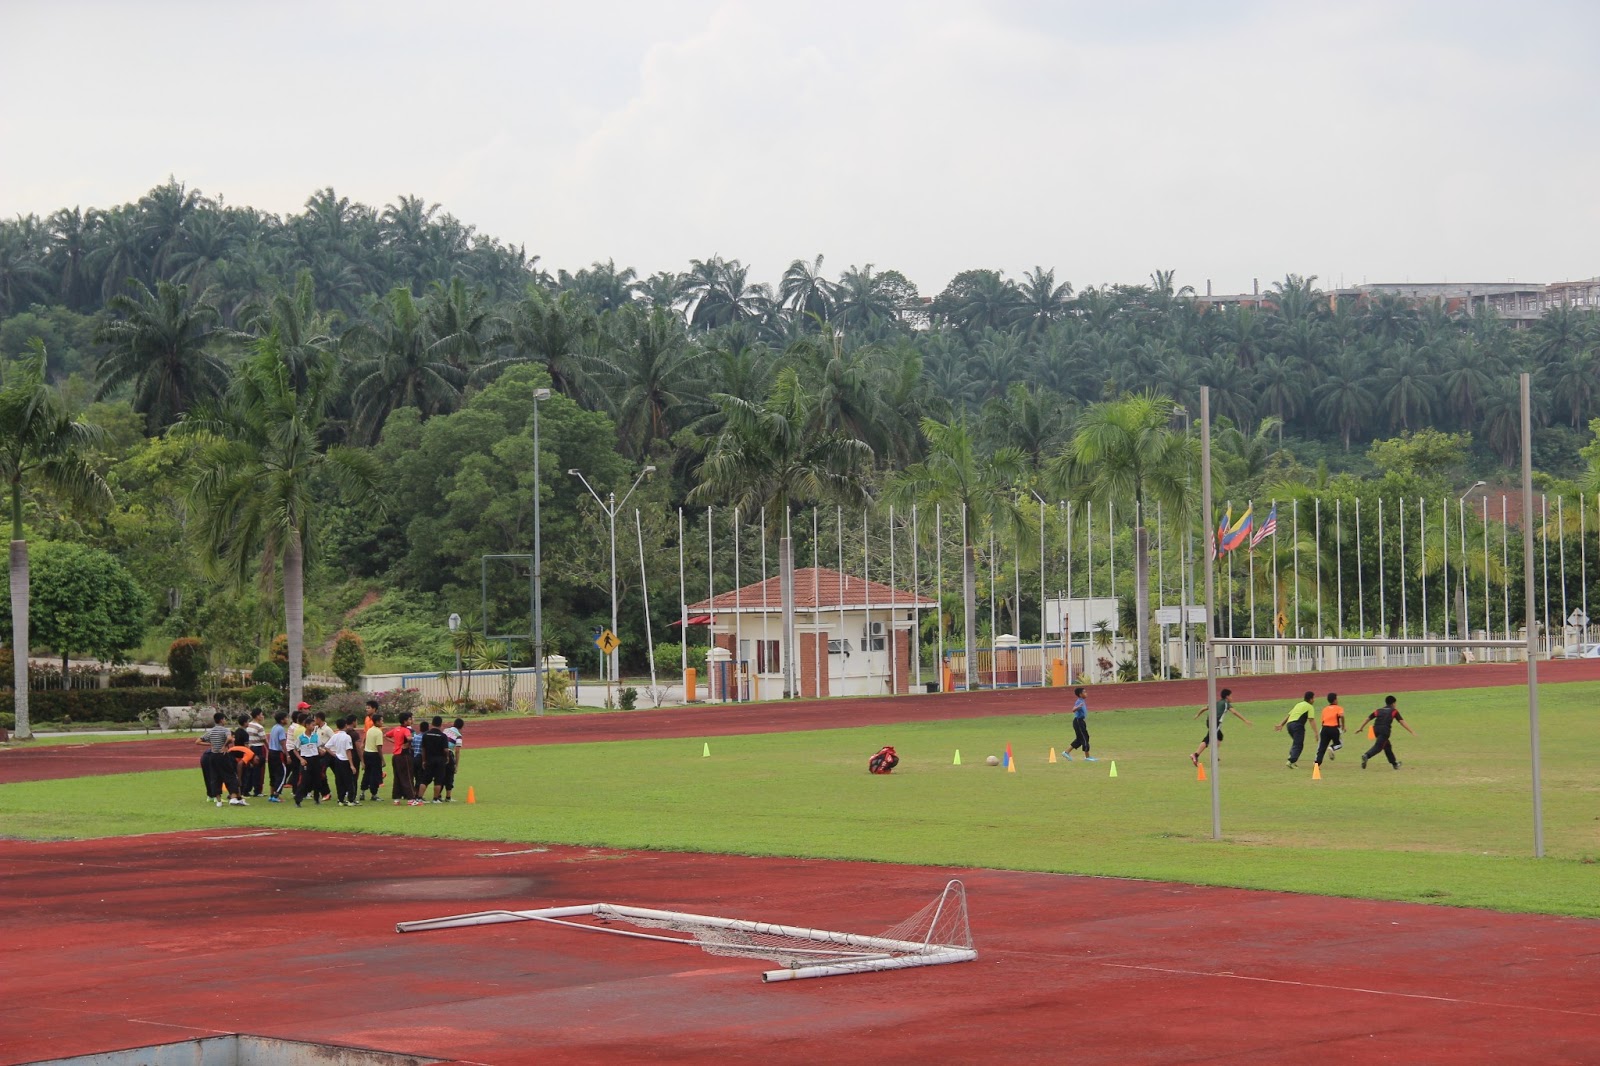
(877, 629)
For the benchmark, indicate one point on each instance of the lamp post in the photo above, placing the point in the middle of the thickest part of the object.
(539, 395)
(611, 505)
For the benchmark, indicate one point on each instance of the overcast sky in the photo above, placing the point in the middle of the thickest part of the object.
(1227, 141)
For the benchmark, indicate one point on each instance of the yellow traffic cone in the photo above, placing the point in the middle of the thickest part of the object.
(1052, 753)
(1011, 766)
(1316, 772)
(958, 758)
(706, 754)
(1113, 768)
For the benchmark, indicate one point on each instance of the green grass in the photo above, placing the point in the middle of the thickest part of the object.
(1454, 826)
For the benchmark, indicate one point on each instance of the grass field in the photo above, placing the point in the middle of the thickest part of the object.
(1453, 826)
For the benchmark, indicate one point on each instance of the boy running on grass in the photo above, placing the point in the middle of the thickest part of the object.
(1080, 728)
(1295, 721)
(1224, 707)
(1332, 728)
(1383, 720)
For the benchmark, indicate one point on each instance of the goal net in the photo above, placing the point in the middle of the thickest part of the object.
(936, 934)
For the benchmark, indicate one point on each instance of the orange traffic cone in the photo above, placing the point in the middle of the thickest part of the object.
(1316, 771)
(1371, 735)
(1199, 771)
(472, 795)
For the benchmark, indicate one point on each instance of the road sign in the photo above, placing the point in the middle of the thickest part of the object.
(607, 641)
(1282, 622)
(455, 622)
(1577, 618)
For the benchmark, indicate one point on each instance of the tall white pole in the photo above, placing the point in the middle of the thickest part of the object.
(916, 610)
(1400, 536)
(1044, 632)
(1527, 596)
(938, 581)
(738, 615)
(891, 629)
(714, 686)
(1211, 563)
(1561, 563)
(683, 614)
(824, 660)
(1383, 606)
(644, 588)
(1361, 599)
(1544, 544)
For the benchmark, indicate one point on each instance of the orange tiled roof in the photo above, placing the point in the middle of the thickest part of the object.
(814, 588)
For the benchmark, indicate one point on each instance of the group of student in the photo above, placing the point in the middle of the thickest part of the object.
(1329, 740)
(301, 749)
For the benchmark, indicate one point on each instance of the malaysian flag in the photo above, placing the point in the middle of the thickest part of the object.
(1268, 528)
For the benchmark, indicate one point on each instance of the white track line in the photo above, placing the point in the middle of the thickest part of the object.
(1347, 988)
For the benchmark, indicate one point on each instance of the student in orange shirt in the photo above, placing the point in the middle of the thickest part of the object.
(1332, 728)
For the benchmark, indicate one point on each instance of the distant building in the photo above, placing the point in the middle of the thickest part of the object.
(856, 637)
(1517, 302)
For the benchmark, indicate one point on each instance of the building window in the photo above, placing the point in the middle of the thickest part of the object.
(767, 661)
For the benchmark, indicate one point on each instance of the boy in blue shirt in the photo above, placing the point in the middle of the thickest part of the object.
(1080, 728)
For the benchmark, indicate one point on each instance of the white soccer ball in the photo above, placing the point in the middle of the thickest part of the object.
(993, 760)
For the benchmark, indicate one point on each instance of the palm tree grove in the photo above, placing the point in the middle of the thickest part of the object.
(272, 437)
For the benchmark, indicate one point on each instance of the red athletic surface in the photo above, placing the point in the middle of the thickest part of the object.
(120, 943)
(125, 942)
(41, 761)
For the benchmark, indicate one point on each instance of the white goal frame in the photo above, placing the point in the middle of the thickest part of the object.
(834, 953)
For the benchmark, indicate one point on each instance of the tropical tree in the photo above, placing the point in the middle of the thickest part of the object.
(257, 477)
(981, 490)
(41, 447)
(161, 346)
(805, 292)
(776, 453)
(1125, 451)
(82, 600)
(400, 363)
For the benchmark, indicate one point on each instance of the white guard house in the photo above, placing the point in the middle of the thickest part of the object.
(854, 637)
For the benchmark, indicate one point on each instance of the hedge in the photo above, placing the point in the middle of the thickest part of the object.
(120, 704)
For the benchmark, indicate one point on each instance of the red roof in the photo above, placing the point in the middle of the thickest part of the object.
(814, 588)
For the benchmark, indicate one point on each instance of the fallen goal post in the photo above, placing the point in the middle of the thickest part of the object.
(937, 934)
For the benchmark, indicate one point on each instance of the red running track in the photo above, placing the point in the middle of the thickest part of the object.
(114, 944)
(44, 761)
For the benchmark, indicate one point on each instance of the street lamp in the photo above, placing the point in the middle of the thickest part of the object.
(611, 505)
(538, 576)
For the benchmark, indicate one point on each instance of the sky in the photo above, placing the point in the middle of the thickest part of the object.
(1357, 141)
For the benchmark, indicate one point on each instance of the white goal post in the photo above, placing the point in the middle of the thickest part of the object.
(939, 933)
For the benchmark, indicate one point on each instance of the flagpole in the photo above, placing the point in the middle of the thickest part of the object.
(916, 613)
(1211, 659)
(1383, 605)
(1361, 599)
(1252, 581)
(1400, 537)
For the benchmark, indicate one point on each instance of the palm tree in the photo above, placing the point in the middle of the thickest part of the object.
(776, 453)
(400, 364)
(40, 446)
(656, 373)
(160, 346)
(258, 476)
(1126, 451)
(981, 491)
(804, 291)
(552, 330)
(1043, 302)
(1345, 399)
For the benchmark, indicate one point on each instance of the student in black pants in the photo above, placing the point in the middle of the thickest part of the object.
(1328, 740)
(1295, 722)
(1383, 720)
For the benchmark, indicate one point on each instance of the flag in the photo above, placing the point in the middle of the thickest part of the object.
(1239, 532)
(1268, 528)
(1222, 530)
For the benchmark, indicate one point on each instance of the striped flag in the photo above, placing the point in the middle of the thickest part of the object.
(1239, 532)
(1268, 528)
(1222, 530)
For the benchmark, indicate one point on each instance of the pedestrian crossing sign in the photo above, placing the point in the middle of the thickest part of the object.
(607, 641)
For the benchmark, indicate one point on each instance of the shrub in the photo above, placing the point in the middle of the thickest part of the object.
(344, 704)
(267, 697)
(278, 652)
(394, 701)
(110, 704)
(134, 679)
(187, 660)
(269, 673)
(349, 658)
(669, 658)
(558, 692)
(628, 698)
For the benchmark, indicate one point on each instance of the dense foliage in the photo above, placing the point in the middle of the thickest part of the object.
(422, 341)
